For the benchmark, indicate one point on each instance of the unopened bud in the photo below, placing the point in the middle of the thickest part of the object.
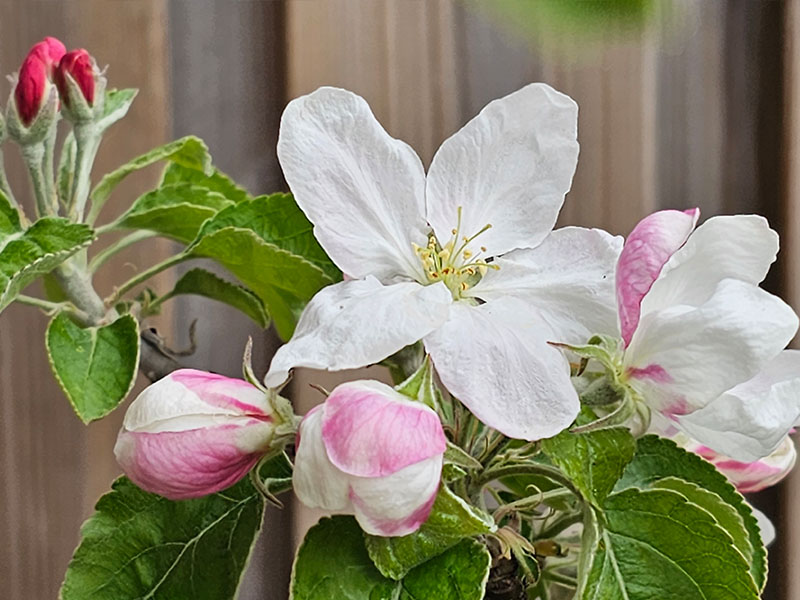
(80, 85)
(194, 433)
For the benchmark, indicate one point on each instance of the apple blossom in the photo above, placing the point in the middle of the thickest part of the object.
(463, 259)
(194, 433)
(79, 65)
(371, 452)
(33, 83)
(702, 342)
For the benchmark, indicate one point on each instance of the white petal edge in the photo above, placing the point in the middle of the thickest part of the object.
(495, 359)
(726, 247)
(768, 532)
(568, 278)
(398, 503)
(698, 353)
(751, 420)
(317, 483)
(510, 166)
(363, 190)
(357, 323)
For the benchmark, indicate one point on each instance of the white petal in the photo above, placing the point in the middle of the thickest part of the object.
(356, 323)
(399, 503)
(683, 357)
(750, 421)
(495, 359)
(362, 189)
(568, 278)
(510, 166)
(729, 247)
(317, 483)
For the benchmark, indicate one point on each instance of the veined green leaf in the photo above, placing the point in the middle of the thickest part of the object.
(95, 366)
(332, 563)
(216, 182)
(657, 458)
(450, 521)
(176, 211)
(594, 461)
(460, 573)
(29, 254)
(656, 544)
(189, 152)
(116, 106)
(204, 283)
(140, 545)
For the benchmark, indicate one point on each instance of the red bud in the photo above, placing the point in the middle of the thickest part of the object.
(37, 67)
(80, 66)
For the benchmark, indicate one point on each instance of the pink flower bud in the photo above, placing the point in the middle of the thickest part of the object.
(33, 82)
(80, 66)
(373, 453)
(194, 433)
(754, 476)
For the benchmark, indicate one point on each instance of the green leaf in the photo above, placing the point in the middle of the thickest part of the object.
(460, 573)
(176, 211)
(116, 106)
(27, 255)
(141, 546)
(189, 152)
(332, 563)
(283, 281)
(594, 461)
(657, 544)
(420, 385)
(450, 521)
(657, 458)
(95, 366)
(278, 220)
(455, 455)
(200, 282)
(725, 514)
(216, 182)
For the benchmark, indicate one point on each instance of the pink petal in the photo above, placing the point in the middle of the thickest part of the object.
(223, 392)
(370, 430)
(192, 463)
(646, 250)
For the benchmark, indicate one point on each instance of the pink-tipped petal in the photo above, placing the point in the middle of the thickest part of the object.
(224, 392)
(753, 476)
(397, 504)
(649, 246)
(370, 430)
(192, 463)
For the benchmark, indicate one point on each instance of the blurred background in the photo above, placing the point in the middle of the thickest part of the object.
(682, 103)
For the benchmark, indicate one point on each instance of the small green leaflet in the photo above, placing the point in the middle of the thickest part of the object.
(95, 366)
(332, 563)
(176, 211)
(216, 182)
(420, 385)
(117, 104)
(141, 546)
(657, 544)
(657, 458)
(26, 255)
(450, 521)
(189, 152)
(200, 282)
(594, 461)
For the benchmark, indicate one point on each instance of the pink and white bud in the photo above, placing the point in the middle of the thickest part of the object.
(754, 476)
(80, 66)
(34, 78)
(371, 452)
(194, 433)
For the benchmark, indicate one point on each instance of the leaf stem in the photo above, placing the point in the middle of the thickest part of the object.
(145, 275)
(527, 469)
(559, 525)
(53, 307)
(117, 246)
(559, 579)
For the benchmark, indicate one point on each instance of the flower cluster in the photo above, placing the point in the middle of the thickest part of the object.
(524, 324)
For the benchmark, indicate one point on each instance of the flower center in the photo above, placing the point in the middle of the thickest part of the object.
(454, 263)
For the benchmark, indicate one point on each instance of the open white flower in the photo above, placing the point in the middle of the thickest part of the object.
(463, 259)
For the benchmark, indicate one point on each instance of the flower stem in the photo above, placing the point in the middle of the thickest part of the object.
(48, 169)
(33, 155)
(145, 275)
(87, 141)
(117, 246)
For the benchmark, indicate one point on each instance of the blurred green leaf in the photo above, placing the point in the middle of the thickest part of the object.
(216, 182)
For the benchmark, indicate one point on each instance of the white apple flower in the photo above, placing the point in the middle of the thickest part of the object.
(371, 452)
(703, 343)
(463, 259)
